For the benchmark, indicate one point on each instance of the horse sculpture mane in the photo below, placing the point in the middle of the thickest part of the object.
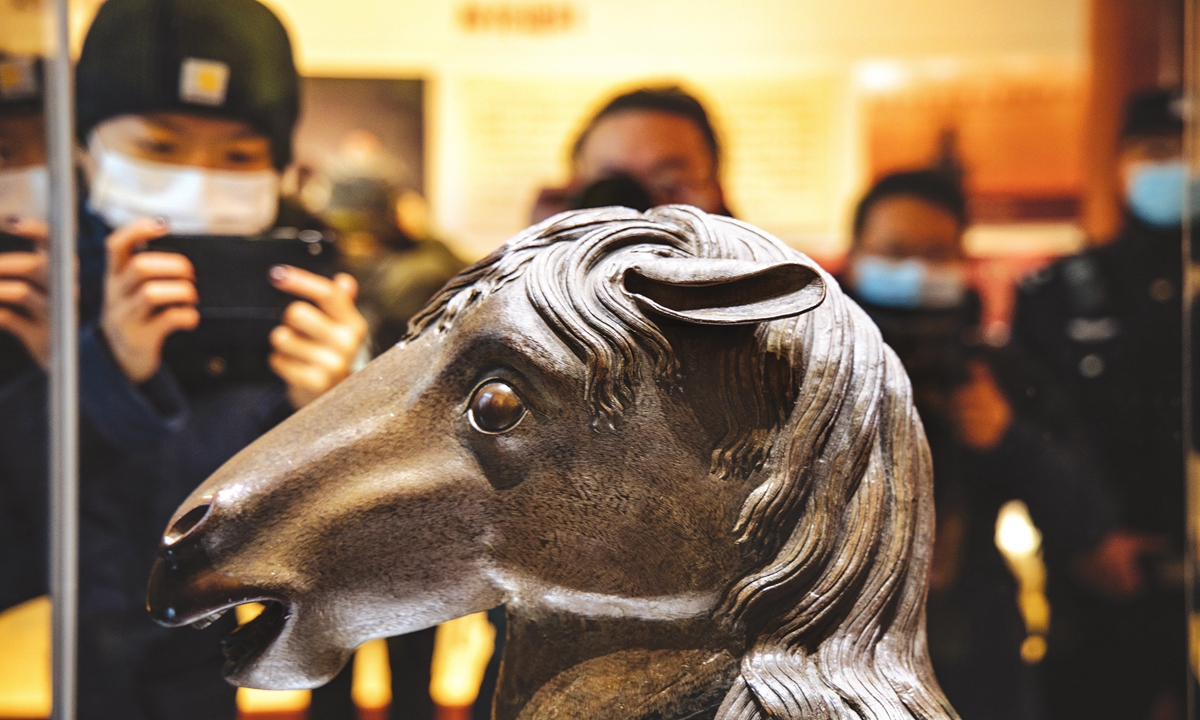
(824, 617)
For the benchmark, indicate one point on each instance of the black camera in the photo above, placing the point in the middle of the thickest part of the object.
(617, 189)
(15, 243)
(238, 304)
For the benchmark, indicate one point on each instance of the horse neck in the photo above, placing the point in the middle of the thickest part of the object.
(560, 664)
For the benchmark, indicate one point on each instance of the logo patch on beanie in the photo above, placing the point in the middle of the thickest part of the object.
(203, 82)
(18, 80)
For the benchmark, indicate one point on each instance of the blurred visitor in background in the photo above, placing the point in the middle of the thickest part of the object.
(385, 243)
(186, 108)
(24, 326)
(383, 234)
(997, 432)
(24, 195)
(1108, 323)
(649, 147)
(24, 182)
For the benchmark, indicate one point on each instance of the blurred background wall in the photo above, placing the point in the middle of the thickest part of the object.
(812, 98)
(510, 83)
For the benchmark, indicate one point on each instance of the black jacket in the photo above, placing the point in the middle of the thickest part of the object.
(1108, 324)
(974, 627)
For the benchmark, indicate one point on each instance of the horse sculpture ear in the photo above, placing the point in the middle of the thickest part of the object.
(724, 292)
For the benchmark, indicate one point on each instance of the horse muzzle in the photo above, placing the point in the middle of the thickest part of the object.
(186, 589)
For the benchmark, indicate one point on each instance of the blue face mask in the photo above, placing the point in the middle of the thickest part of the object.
(1155, 193)
(908, 284)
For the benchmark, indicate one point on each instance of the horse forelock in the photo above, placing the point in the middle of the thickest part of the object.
(820, 420)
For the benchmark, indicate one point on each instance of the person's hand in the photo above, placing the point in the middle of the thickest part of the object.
(24, 298)
(1113, 568)
(315, 346)
(147, 296)
(981, 412)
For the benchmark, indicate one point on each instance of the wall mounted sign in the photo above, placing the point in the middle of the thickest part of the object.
(520, 18)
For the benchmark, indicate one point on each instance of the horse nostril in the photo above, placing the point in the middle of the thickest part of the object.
(191, 520)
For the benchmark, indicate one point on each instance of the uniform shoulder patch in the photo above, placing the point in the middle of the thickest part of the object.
(203, 82)
(1086, 284)
(1093, 330)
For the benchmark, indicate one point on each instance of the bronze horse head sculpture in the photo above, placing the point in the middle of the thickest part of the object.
(679, 455)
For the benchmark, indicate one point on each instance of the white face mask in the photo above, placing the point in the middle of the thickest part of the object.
(25, 191)
(194, 201)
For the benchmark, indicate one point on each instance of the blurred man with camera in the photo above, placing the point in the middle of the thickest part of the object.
(647, 147)
(652, 146)
(186, 108)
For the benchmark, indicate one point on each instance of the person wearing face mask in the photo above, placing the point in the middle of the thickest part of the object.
(1108, 322)
(997, 431)
(24, 183)
(186, 109)
(24, 191)
(648, 147)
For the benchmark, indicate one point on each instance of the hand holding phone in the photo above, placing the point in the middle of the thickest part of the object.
(237, 295)
(147, 296)
(314, 347)
(24, 297)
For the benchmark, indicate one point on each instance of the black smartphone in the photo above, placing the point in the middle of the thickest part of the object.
(15, 243)
(238, 304)
(13, 357)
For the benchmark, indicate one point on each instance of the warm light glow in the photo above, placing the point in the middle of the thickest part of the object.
(1020, 542)
(1029, 239)
(372, 685)
(247, 612)
(25, 660)
(782, 79)
(1033, 649)
(250, 700)
(879, 76)
(461, 652)
(1015, 532)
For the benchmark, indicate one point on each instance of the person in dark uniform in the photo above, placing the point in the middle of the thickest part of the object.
(186, 108)
(996, 433)
(1108, 323)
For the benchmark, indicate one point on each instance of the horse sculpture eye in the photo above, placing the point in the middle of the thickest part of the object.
(496, 408)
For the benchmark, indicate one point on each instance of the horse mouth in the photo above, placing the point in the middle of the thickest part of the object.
(249, 641)
(185, 589)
